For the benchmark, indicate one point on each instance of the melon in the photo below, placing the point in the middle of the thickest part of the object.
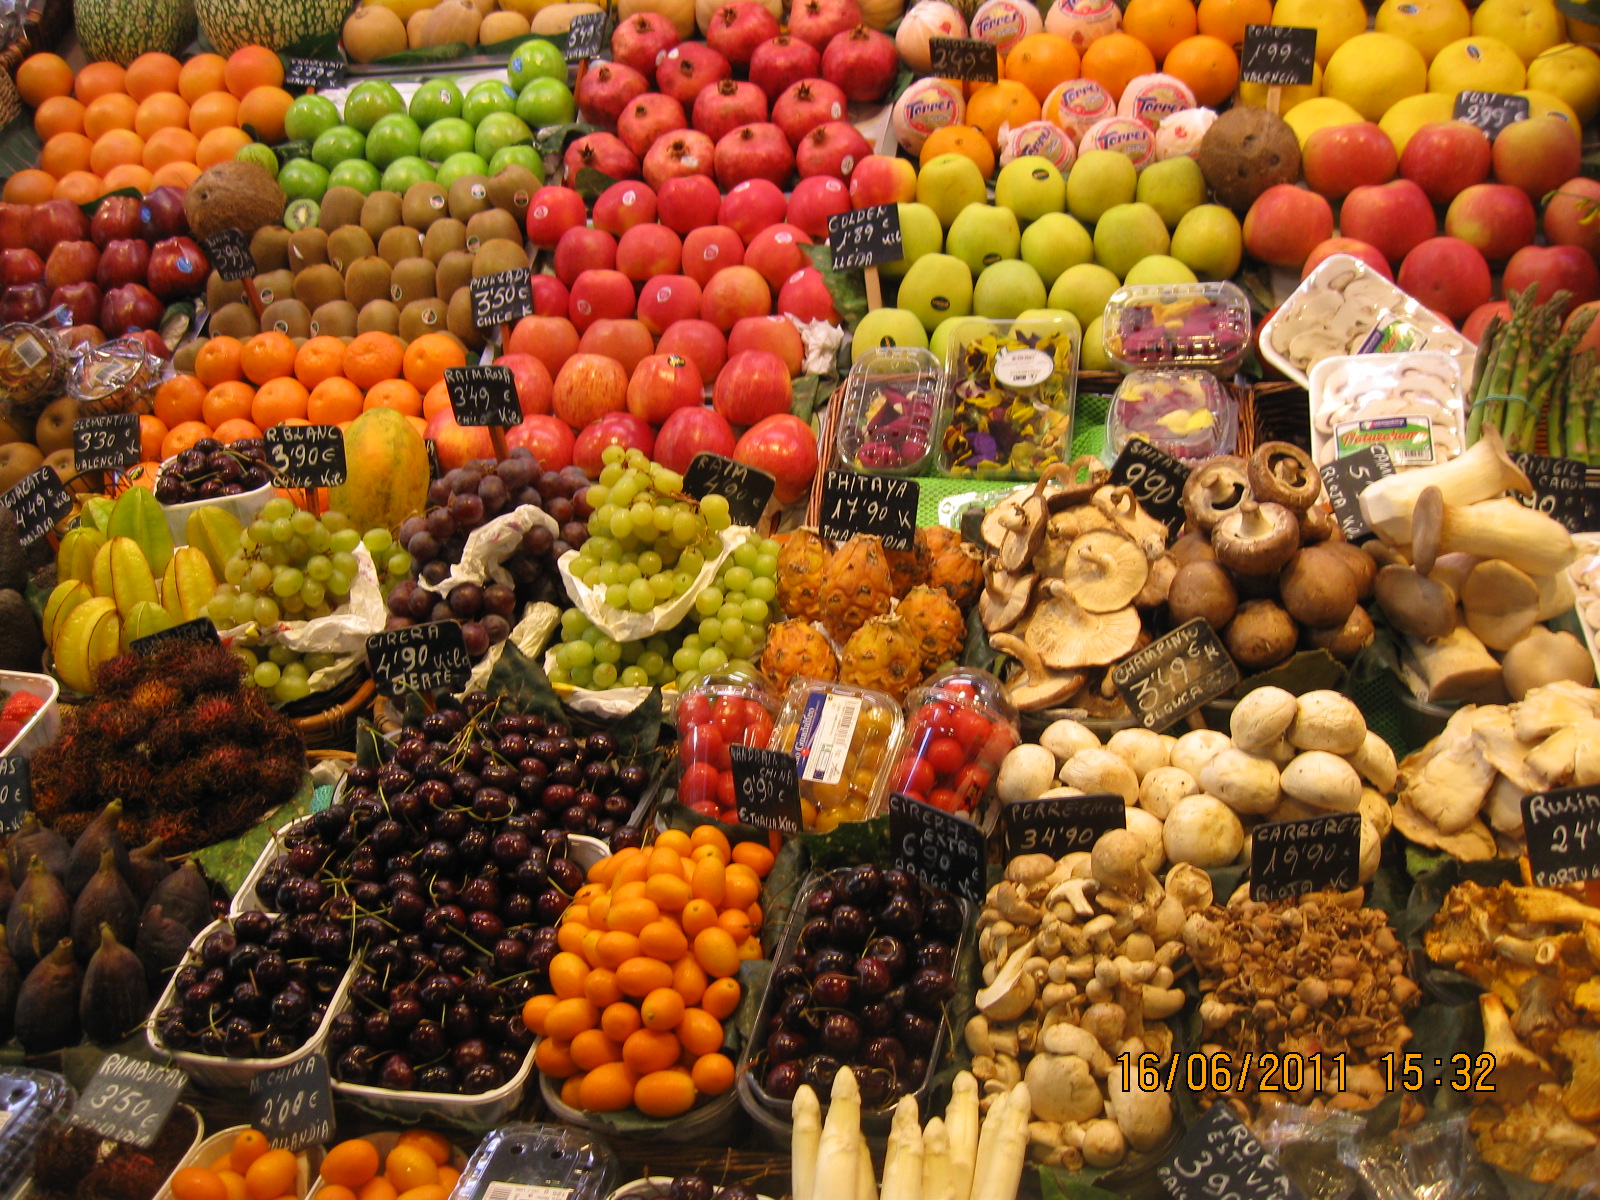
(121, 30)
(275, 24)
(387, 471)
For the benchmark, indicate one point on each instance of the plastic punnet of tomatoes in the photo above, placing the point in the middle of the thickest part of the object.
(962, 726)
(712, 716)
(843, 739)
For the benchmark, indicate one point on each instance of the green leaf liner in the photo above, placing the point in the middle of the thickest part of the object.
(227, 863)
(848, 288)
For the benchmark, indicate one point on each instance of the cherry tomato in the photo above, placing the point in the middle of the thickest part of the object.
(915, 775)
(694, 709)
(726, 796)
(759, 731)
(699, 784)
(945, 755)
(996, 746)
(946, 799)
(728, 713)
(970, 784)
(704, 744)
(970, 728)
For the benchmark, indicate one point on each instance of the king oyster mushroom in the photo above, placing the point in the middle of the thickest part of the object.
(1256, 538)
(1068, 636)
(1104, 571)
(1214, 489)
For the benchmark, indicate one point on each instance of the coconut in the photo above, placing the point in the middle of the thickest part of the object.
(232, 195)
(1246, 151)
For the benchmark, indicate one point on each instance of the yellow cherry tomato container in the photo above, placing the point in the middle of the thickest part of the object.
(844, 739)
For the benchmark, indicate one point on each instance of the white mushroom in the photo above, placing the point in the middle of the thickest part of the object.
(1204, 831)
(1244, 782)
(1325, 720)
(1163, 788)
(1324, 780)
(1262, 717)
(1066, 738)
(1374, 762)
(1025, 773)
(1376, 808)
(1196, 748)
(1142, 749)
(1099, 770)
(1062, 1088)
(1148, 829)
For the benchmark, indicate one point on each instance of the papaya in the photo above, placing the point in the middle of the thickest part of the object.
(387, 471)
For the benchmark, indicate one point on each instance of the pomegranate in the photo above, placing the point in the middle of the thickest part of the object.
(688, 68)
(647, 118)
(623, 205)
(805, 297)
(737, 29)
(782, 61)
(816, 21)
(642, 39)
(862, 63)
(757, 151)
(721, 109)
(805, 105)
(775, 252)
(783, 446)
(687, 152)
(753, 384)
(816, 199)
(831, 149)
(551, 212)
(691, 431)
(688, 202)
(752, 206)
(603, 152)
(605, 91)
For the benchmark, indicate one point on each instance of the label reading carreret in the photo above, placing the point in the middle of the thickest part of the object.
(827, 728)
(1023, 368)
(1409, 438)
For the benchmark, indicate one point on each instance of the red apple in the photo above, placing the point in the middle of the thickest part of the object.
(626, 340)
(623, 205)
(751, 206)
(1472, 329)
(1447, 275)
(784, 447)
(550, 296)
(129, 307)
(1554, 269)
(691, 431)
(618, 429)
(701, 342)
(56, 221)
(707, 250)
(82, 299)
(552, 340)
(1340, 157)
(814, 200)
(753, 384)
(662, 384)
(776, 335)
(152, 342)
(805, 296)
(581, 249)
(116, 218)
(732, 293)
(776, 253)
(1370, 255)
(1285, 223)
(178, 267)
(1572, 215)
(1392, 216)
(1494, 218)
(588, 387)
(882, 179)
(20, 266)
(532, 378)
(14, 220)
(24, 302)
(1444, 158)
(666, 300)
(457, 445)
(1537, 155)
(551, 212)
(549, 438)
(1591, 336)
(647, 250)
(597, 294)
(125, 260)
(688, 202)
(161, 215)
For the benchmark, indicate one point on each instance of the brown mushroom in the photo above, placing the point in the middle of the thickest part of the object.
(1346, 641)
(1358, 562)
(1158, 583)
(1317, 588)
(1202, 589)
(1415, 605)
(1015, 528)
(1005, 598)
(1037, 686)
(1192, 547)
(1282, 473)
(1104, 571)
(1067, 635)
(1256, 538)
(1499, 602)
(1317, 525)
(1215, 488)
(1261, 635)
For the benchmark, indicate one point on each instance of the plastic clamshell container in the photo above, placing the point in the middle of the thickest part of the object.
(113, 377)
(1412, 403)
(28, 1099)
(218, 1072)
(708, 1122)
(713, 696)
(1345, 307)
(208, 1150)
(776, 1114)
(1013, 386)
(1183, 411)
(31, 364)
(44, 726)
(1202, 325)
(383, 1143)
(894, 407)
(651, 1187)
(538, 1162)
(244, 507)
(949, 708)
(844, 739)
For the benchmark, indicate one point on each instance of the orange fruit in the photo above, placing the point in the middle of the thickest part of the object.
(116, 148)
(638, 977)
(279, 400)
(41, 76)
(370, 358)
(128, 175)
(737, 922)
(700, 1032)
(99, 79)
(252, 67)
(182, 436)
(567, 972)
(698, 914)
(535, 1010)
(166, 146)
(151, 73)
(710, 835)
(1112, 60)
(715, 950)
(663, 939)
(647, 1050)
(743, 887)
(219, 361)
(59, 114)
(600, 988)
(334, 401)
(65, 152)
(662, 1009)
(1042, 60)
(271, 1175)
(664, 1093)
(114, 111)
(213, 110)
(396, 394)
(1159, 24)
(236, 431)
(1226, 19)
(350, 1163)
(377, 1188)
(175, 174)
(268, 355)
(1207, 64)
(608, 1088)
(410, 1166)
(755, 856)
(220, 145)
(592, 1048)
(181, 398)
(568, 1018)
(262, 109)
(435, 400)
(435, 1145)
(152, 432)
(959, 139)
(198, 1183)
(229, 401)
(1005, 103)
(619, 1020)
(721, 998)
(317, 359)
(669, 892)
(162, 110)
(234, 1182)
(427, 357)
(248, 1145)
(569, 1090)
(712, 1074)
(202, 74)
(80, 187)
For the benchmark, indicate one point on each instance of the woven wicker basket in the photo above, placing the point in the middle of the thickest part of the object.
(333, 727)
(1275, 411)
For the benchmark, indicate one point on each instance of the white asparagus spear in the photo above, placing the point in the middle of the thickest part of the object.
(999, 1171)
(837, 1165)
(961, 1126)
(807, 1112)
(866, 1179)
(902, 1165)
(936, 1175)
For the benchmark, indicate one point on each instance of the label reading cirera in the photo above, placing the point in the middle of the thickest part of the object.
(939, 848)
(422, 658)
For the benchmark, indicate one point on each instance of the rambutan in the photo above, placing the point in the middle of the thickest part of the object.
(156, 697)
(168, 739)
(215, 715)
(120, 675)
(210, 669)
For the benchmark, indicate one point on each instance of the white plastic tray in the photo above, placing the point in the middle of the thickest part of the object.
(1383, 386)
(384, 1142)
(483, 1109)
(44, 726)
(206, 1150)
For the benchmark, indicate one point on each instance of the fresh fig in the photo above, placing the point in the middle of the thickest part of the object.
(10, 981)
(97, 835)
(40, 915)
(185, 897)
(115, 997)
(47, 1002)
(147, 866)
(105, 900)
(161, 945)
(32, 840)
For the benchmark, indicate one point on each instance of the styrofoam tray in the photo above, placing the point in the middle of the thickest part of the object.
(45, 725)
(205, 1151)
(1588, 547)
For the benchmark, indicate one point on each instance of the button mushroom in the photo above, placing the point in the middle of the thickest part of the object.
(1284, 474)
(1256, 538)
(1202, 589)
(1317, 588)
(1261, 635)
(1262, 717)
(1326, 720)
(1204, 831)
(1214, 489)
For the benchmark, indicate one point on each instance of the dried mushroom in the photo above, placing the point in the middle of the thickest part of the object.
(1104, 571)
(1067, 635)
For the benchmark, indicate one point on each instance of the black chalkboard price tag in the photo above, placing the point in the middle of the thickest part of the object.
(766, 787)
(16, 792)
(1290, 859)
(38, 500)
(1490, 111)
(201, 630)
(314, 72)
(585, 36)
(424, 658)
(747, 489)
(483, 395)
(1059, 826)
(1156, 480)
(229, 252)
(128, 1100)
(881, 505)
(293, 1105)
(1220, 1159)
(105, 441)
(939, 848)
(503, 298)
(865, 237)
(1563, 832)
(971, 59)
(307, 456)
(1344, 479)
(1278, 55)
(1175, 674)
(1560, 489)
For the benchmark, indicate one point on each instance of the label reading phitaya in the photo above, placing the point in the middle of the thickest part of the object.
(1156, 480)
(321, 73)
(971, 59)
(939, 848)
(423, 658)
(1563, 832)
(766, 787)
(483, 395)
(200, 630)
(1490, 111)
(746, 489)
(1290, 859)
(1059, 826)
(1278, 55)
(503, 298)
(1220, 1159)
(128, 1100)
(865, 237)
(106, 441)
(293, 1105)
(16, 792)
(585, 36)
(1346, 478)
(1175, 674)
(1560, 490)
(38, 500)
(879, 505)
(229, 252)
(307, 456)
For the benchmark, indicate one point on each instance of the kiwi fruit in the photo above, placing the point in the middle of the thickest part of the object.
(269, 246)
(302, 212)
(367, 279)
(454, 273)
(337, 318)
(424, 203)
(287, 316)
(341, 206)
(492, 223)
(183, 357)
(469, 194)
(318, 285)
(443, 236)
(413, 279)
(400, 241)
(220, 291)
(422, 316)
(458, 319)
(378, 316)
(275, 285)
(307, 247)
(380, 211)
(348, 243)
(1246, 151)
(496, 255)
(512, 189)
(234, 320)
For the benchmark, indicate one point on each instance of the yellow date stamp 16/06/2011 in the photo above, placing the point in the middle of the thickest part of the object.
(1293, 1072)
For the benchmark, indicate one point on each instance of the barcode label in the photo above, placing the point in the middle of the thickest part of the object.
(30, 350)
(824, 748)
(525, 1191)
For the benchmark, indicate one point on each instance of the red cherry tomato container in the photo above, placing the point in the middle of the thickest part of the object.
(962, 726)
(722, 711)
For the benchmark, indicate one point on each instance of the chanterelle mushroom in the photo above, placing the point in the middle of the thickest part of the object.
(1066, 635)
(1256, 538)
(1104, 571)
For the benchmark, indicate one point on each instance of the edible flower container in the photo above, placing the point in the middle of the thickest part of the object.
(1184, 412)
(1013, 385)
(1201, 325)
(894, 405)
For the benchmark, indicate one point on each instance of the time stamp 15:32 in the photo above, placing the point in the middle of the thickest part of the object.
(1225, 1072)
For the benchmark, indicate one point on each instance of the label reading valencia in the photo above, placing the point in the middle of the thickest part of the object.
(38, 500)
(880, 505)
(503, 298)
(939, 848)
(1220, 1159)
(766, 787)
(971, 59)
(483, 395)
(1490, 111)
(1175, 674)
(1346, 478)
(105, 441)
(865, 237)
(747, 489)
(423, 658)
(293, 1105)
(1156, 480)
(307, 456)
(1290, 859)
(16, 792)
(200, 630)
(1563, 832)
(321, 73)
(1060, 826)
(1278, 55)
(229, 252)
(128, 1100)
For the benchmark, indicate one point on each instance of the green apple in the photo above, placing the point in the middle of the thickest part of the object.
(309, 117)
(937, 286)
(403, 172)
(535, 59)
(335, 145)
(445, 137)
(357, 173)
(939, 339)
(1209, 242)
(302, 179)
(546, 102)
(457, 165)
(1047, 320)
(1030, 186)
(1172, 188)
(982, 235)
(498, 130)
(262, 156)
(1098, 181)
(1158, 268)
(1055, 242)
(1007, 288)
(1093, 356)
(523, 156)
(920, 233)
(394, 136)
(947, 183)
(434, 100)
(1083, 291)
(369, 101)
(1125, 234)
(887, 327)
(487, 97)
